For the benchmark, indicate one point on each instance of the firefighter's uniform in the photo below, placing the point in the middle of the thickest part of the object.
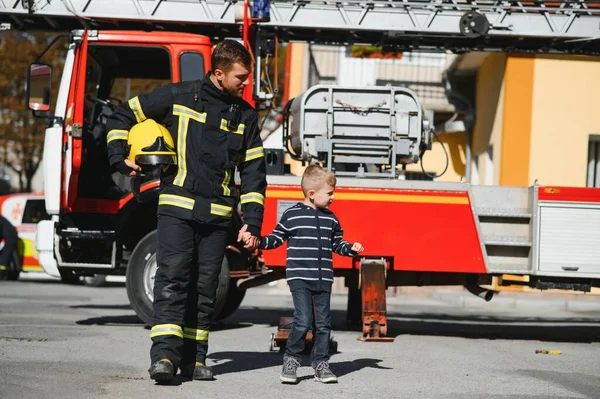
(196, 202)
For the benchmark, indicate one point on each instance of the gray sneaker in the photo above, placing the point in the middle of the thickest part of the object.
(288, 372)
(324, 374)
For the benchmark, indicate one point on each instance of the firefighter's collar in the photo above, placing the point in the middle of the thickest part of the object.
(216, 92)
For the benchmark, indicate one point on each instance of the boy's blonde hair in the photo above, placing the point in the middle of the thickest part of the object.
(314, 176)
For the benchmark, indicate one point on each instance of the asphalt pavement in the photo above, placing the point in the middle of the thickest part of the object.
(61, 341)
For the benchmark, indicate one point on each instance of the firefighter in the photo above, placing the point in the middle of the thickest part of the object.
(214, 132)
(8, 233)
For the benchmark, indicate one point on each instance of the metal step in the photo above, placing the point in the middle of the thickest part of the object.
(503, 212)
(509, 241)
(500, 265)
(538, 27)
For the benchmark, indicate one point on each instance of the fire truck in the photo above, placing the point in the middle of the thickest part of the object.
(414, 232)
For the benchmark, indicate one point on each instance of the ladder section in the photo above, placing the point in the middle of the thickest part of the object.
(505, 226)
(536, 26)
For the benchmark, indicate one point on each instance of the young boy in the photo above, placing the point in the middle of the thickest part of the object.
(312, 232)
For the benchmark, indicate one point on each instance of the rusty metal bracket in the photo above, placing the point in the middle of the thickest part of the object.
(372, 285)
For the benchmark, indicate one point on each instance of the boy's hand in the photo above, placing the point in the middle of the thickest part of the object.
(357, 247)
(252, 242)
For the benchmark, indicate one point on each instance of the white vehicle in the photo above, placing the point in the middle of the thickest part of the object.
(24, 211)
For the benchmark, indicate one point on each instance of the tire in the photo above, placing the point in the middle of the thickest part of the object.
(98, 280)
(14, 268)
(140, 274)
(234, 299)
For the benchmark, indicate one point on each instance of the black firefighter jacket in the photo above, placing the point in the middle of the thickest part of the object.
(201, 187)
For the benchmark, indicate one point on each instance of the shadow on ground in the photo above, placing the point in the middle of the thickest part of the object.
(464, 326)
(235, 362)
(428, 324)
(109, 307)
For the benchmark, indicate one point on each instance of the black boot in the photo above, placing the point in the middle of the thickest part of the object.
(162, 371)
(203, 373)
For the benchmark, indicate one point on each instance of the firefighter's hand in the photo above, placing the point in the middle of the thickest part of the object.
(247, 237)
(250, 241)
(128, 168)
(136, 168)
(357, 247)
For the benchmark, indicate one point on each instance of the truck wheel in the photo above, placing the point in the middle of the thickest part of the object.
(139, 278)
(141, 271)
(14, 267)
(233, 301)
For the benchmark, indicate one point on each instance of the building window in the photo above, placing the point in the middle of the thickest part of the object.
(593, 168)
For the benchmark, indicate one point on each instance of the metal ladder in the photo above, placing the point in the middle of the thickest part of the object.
(506, 218)
(516, 26)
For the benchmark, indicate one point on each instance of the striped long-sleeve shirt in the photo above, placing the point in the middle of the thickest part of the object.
(312, 235)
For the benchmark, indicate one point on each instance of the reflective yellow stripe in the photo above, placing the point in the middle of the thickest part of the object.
(221, 210)
(198, 335)
(136, 108)
(240, 129)
(166, 329)
(116, 135)
(183, 111)
(253, 153)
(252, 197)
(376, 197)
(176, 200)
(181, 149)
(3, 268)
(226, 180)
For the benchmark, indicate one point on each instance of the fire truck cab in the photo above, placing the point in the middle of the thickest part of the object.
(102, 221)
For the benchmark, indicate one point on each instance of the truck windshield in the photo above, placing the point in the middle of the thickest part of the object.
(115, 73)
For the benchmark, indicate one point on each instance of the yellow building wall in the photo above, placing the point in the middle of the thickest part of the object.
(489, 108)
(516, 121)
(434, 160)
(296, 72)
(296, 86)
(537, 113)
(565, 112)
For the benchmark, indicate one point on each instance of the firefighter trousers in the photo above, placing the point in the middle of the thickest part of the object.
(189, 259)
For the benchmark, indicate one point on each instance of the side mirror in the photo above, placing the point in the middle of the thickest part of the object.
(39, 83)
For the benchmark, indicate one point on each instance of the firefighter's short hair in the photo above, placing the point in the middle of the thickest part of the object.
(227, 53)
(315, 176)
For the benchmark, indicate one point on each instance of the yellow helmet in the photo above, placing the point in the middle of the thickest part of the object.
(150, 143)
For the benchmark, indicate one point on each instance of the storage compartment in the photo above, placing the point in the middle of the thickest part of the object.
(569, 239)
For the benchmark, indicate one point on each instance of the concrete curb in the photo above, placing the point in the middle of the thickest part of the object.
(457, 297)
(570, 303)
